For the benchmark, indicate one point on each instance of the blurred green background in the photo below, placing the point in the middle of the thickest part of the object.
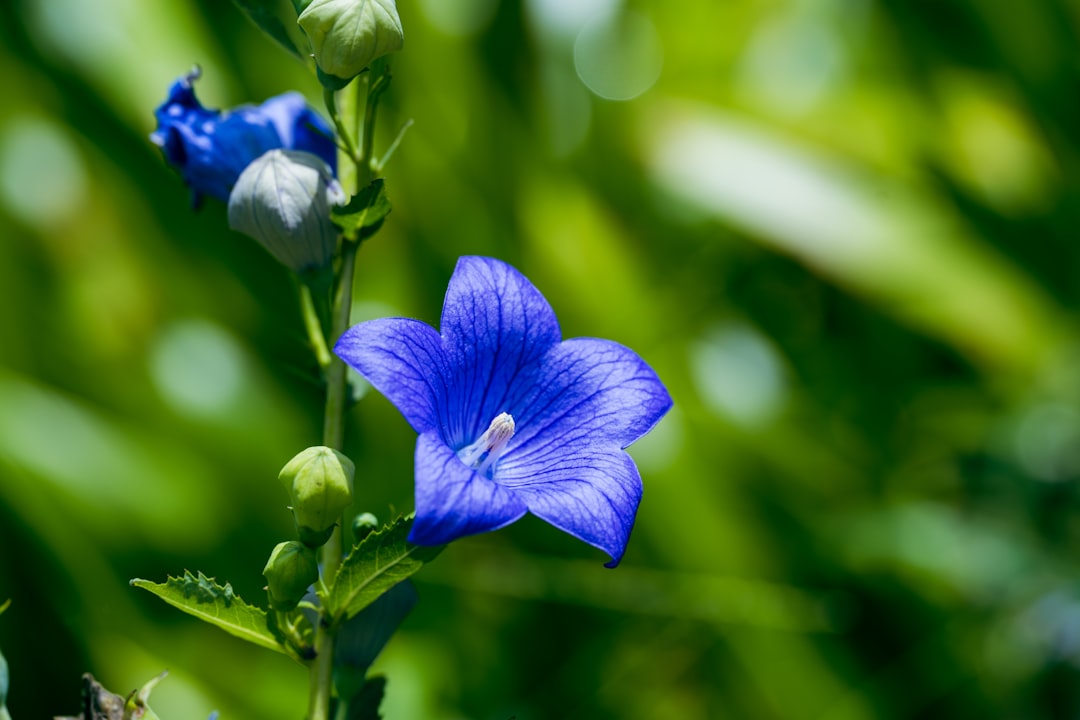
(844, 232)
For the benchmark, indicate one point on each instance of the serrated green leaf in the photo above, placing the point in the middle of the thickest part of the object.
(218, 605)
(365, 213)
(264, 13)
(382, 560)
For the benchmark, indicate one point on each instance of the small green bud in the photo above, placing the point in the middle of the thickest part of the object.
(363, 525)
(347, 35)
(290, 571)
(319, 481)
(283, 199)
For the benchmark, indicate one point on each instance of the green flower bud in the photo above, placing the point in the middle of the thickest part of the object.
(347, 35)
(363, 525)
(290, 571)
(319, 481)
(283, 200)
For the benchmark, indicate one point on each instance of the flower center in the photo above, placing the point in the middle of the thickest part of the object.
(483, 453)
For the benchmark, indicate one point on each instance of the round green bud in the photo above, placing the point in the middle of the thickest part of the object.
(319, 481)
(347, 35)
(283, 199)
(363, 525)
(290, 571)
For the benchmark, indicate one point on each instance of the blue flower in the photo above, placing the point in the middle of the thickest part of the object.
(211, 148)
(511, 418)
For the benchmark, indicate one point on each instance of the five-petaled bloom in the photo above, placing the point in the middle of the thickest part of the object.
(211, 148)
(512, 419)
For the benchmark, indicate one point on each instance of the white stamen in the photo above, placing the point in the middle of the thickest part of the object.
(483, 453)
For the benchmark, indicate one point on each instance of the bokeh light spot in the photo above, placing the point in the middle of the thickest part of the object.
(459, 17)
(198, 368)
(566, 18)
(791, 65)
(1047, 442)
(42, 178)
(738, 373)
(619, 58)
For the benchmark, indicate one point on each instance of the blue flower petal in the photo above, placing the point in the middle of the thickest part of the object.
(181, 109)
(211, 148)
(300, 127)
(217, 151)
(592, 494)
(453, 501)
(404, 360)
(495, 327)
(588, 391)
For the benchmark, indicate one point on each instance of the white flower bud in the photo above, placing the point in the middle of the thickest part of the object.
(283, 200)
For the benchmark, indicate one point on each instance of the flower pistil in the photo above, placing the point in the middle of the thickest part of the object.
(483, 453)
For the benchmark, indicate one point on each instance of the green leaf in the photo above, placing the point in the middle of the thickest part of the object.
(361, 638)
(364, 214)
(365, 704)
(5, 605)
(218, 605)
(382, 560)
(264, 13)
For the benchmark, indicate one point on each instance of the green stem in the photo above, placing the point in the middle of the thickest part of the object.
(379, 82)
(330, 98)
(334, 419)
(314, 327)
(330, 555)
(333, 436)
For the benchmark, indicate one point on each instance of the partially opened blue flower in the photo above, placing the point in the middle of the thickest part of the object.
(211, 148)
(512, 419)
